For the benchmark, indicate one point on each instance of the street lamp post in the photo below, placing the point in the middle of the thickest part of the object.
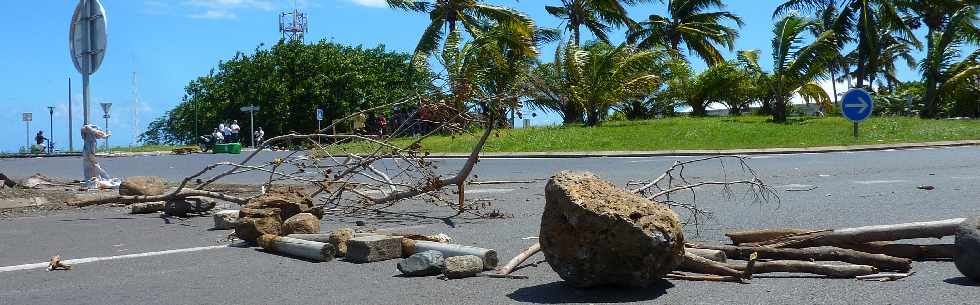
(105, 109)
(27, 119)
(51, 129)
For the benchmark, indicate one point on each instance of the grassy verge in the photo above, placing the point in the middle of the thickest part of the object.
(145, 148)
(709, 133)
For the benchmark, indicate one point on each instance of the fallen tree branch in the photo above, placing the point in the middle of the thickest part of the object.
(519, 259)
(931, 229)
(884, 277)
(834, 271)
(880, 261)
(166, 197)
(699, 264)
(914, 252)
(753, 236)
(703, 278)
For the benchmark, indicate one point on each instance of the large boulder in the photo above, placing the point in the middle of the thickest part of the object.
(253, 223)
(288, 200)
(968, 244)
(302, 223)
(142, 186)
(594, 233)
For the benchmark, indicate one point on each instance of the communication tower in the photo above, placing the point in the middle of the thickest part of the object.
(293, 25)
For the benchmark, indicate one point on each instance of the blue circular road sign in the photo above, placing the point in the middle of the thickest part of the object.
(857, 105)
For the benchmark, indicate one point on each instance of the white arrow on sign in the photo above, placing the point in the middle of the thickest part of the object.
(863, 105)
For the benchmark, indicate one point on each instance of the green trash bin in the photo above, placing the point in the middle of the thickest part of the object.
(235, 148)
(221, 148)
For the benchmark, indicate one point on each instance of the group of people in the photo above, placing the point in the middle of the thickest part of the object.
(230, 133)
(378, 125)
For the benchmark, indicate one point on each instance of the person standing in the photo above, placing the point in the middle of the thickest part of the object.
(259, 136)
(225, 132)
(39, 139)
(235, 131)
(217, 136)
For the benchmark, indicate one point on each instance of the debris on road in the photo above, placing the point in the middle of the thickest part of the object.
(715, 255)
(142, 186)
(458, 267)
(488, 256)
(493, 182)
(185, 206)
(424, 263)
(884, 277)
(253, 223)
(519, 259)
(968, 243)
(225, 219)
(317, 251)
(880, 261)
(302, 223)
(926, 187)
(373, 248)
(339, 239)
(594, 234)
(57, 264)
(147, 207)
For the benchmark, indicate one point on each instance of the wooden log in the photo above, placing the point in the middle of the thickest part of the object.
(834, 271)
(885, 277)
(914, 252)
(519, 259)
(880, 261)
(930, 229)
(712, 254)
(703, 278)
(147, 207)
(699, 264)
(317, 251)
(489, 256)
(751, 236)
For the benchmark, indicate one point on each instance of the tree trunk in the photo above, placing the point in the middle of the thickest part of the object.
(699, 109)
(932, 229)
(779, 114)
(834, 271)
(752, 236)
(914, 252)
(931, 79)
(833, 86)
(576, 33)
(880, 261)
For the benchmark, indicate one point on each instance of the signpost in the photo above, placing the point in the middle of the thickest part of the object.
(856, 106)
(87, 37)
(319, 118)
(51, 128)
(28, 117)
(105, 110)
(251, 118)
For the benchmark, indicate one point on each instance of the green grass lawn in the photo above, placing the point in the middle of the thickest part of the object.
(145, 148)
(709, 133)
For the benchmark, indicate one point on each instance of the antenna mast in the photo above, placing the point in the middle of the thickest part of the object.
(293, 25)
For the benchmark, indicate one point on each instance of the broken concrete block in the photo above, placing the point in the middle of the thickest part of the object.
(147, 207)
(142, 186)
(423, 264)
(458, 267)
(489, 256)
(225, 219)
(968, 244)
(373, 248)
(303, 223)
(339, 239)
(253, 223)
(594, 233)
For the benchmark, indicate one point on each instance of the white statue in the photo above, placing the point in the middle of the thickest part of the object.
(95, 176)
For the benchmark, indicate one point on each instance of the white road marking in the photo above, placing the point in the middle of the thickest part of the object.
(108, 258)
(489, 191)
(868, 182)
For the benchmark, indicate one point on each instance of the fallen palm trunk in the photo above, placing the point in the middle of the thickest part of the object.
(489, 256)
(519, 259)
(699, 264)
(753, 236)
(703, 278)
(317, 251)
(835, 271)
(931, 229)
(880, 261)
(914, 252)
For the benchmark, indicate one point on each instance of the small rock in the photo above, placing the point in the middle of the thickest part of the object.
(225, 219)
(458, 267)
(182, 207)
(359, 223)
(253, 223)
(423, 264)
(339, 238)
(142, 186)
(926, 187)
(968, 244)
(302, 223)
(147, 207)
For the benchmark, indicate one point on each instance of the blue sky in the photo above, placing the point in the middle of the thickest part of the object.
(168, 43)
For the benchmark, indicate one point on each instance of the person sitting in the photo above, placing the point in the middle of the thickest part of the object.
(218, 136)
(40, 140)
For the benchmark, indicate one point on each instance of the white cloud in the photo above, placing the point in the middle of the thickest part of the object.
(214, 14)
(225, 9)
(371, 3)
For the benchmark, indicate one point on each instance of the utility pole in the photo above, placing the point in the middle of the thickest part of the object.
(27, 119)
(251, 116)
(105, 109)
(71, 145)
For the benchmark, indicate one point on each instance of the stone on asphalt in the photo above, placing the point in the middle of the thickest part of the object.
(373, 248)
(968, 244)
(302, 223)
(423, 264)
(288, 200)
(182, 207)
(225, 219)
(458, 267)
(142, 186)
(339, 238)
(594, 233)
(253, 223)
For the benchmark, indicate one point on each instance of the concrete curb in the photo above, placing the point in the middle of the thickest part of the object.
(616, 154)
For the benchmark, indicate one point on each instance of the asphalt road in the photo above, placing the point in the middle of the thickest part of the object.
(816, 191)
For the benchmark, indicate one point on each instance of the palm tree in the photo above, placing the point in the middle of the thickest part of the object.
(795, 66)
(830, 19)
(550, 90)
(473, 15)
(690, 22)
(892, 50)
(598, 16)
(935, 15)
(860, 17)
(943, 49)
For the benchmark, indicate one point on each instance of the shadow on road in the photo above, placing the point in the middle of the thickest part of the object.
(962, 281)
(560, 293)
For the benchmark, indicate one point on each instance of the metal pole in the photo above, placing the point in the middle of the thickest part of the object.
(88, 61)
(51, 128)
(107, 130)
(855, 129)
(251, 124)
(71, 145)
(28, 135)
